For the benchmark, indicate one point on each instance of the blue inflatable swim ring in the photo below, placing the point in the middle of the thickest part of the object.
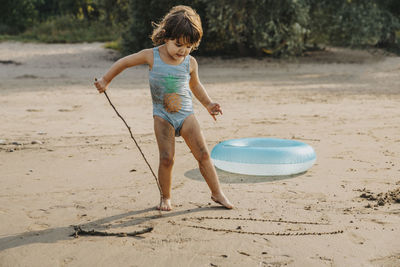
(263, 156)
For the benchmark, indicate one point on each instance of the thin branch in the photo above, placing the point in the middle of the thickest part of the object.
(136, 143)
(80, 232)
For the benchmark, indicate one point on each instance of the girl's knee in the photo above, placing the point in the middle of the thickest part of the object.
(166, 160)
(203, 156)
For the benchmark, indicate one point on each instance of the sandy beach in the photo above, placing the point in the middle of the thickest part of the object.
(67, 160)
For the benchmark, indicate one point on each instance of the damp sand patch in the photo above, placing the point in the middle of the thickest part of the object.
(381, 199)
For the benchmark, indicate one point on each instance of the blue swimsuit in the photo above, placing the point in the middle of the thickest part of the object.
(170, 92)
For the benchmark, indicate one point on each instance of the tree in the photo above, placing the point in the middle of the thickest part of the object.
(354, 22)
(16, 15)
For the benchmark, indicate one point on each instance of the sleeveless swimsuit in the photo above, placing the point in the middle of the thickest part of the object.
(170, 92)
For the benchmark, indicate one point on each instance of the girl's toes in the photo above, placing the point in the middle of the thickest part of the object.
(165, 205)
(222, 200)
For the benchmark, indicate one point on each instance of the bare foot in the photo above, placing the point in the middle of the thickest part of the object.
(165, 205)
(222, 200)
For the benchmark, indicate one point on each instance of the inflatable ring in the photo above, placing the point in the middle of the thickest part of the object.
(263, 156)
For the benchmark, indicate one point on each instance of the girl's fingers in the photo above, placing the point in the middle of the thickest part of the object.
(216, 112)
(218, 109)
(98, 86)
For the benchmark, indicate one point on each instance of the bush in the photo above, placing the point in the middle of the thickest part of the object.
(63, 21)
(231, 27)
(353, 23)
(238, 27)
(139, 28)
(16, 15)
(68, 29)
(252, 27)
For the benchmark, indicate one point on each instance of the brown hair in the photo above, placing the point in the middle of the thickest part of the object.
(180, 22)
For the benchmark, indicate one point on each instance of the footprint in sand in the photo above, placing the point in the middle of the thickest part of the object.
(67, 261)
(27, 76)
(356, 239)
(38, 226)
(391, 260)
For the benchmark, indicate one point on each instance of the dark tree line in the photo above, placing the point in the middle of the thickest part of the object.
(18, 15)
(231, 27)
(275, 27)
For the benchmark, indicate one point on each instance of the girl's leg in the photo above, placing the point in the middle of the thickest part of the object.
(165, 135)
(194, 138)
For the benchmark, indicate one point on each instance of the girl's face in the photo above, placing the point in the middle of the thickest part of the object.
(177, 49)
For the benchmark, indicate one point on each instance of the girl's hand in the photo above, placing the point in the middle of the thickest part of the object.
(214, 109)
(101, 85)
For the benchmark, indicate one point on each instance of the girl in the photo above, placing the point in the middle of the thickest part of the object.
(173, 77)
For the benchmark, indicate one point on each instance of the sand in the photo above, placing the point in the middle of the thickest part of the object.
(66, 159)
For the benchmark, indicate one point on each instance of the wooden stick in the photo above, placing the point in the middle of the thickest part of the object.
(137, 145)
(80, 232)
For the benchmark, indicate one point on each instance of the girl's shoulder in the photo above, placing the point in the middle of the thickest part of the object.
(193, 64)
(148, 53)
(192, 59)
(147, 56)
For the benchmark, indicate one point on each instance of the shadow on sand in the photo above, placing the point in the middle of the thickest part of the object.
(234, 178)
(54, 235)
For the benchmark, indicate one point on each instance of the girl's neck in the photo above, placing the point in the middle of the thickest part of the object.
(167, 58)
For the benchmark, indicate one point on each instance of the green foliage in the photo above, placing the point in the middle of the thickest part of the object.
(392, 6)
(107, 11)
(142, 14)
(114, 12)
(274, 27)
(68, 29)
(16, 15)
(75, 19)
(81, 9)
(114, 45)
(238, 27)
(231, 27)
(251, 27)
(353, 22)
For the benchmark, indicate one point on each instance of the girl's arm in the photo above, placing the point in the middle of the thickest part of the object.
(200, 92)
(143, 57)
